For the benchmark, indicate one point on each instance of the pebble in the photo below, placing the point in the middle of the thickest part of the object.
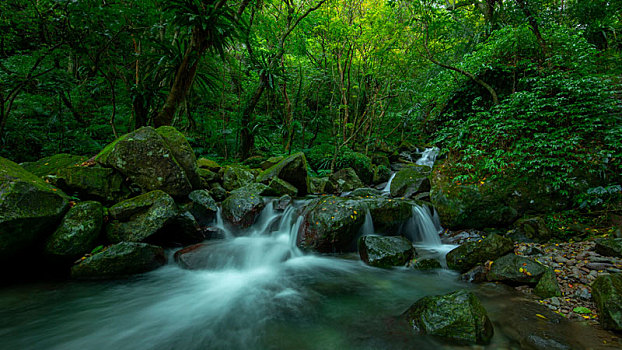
(555, 301)
(598, 266)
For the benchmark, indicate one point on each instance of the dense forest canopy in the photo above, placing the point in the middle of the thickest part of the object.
(530, 87)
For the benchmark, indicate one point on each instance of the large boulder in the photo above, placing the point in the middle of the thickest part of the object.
(385, 251)
(344, 180)
(292, 169)
(489, 203)
(607, 293)
(50, 165)
(244, 204)
(120, 260)
(514, 269)
(140, 218)
(150, 160)
(182, 151)
(410, 180)
(330, 224)
(92, 183)
(236, 176)
(317, 185)
(281, 187)
(388, 214)
(609, 247)
(78, 232)
(457, 317)
(211, 165)
(29, 209)
(470, 254)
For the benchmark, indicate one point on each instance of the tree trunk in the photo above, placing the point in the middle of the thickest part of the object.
(247, 137)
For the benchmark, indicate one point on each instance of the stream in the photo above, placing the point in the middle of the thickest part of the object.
(257, 290)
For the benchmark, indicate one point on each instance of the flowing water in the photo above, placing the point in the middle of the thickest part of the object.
(257, 291)
(428, 157)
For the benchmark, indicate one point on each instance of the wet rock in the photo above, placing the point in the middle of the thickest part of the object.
(148, 159)
(202, 207)
(236, 177)
(140, 218)
(547, 286)
(29, 209)
(411, 180)
(388, 214)
(190, 257)
(475, 275)
(283, 202)
(473, 253)
(244, 204)
(282, 187)
(120, 260)
(607, 293)
(330, 224)
(183, 229)
(218, 192)
(292, 169)
(344, 180)
(385, 251)
(514, 269)
(366, 192)
(609, 247)
(77, 232)
(426, 264)
(50, 165)
(93, 183)
(457, 317)
(207, 177)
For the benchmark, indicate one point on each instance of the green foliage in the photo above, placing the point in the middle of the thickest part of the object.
(600, 197)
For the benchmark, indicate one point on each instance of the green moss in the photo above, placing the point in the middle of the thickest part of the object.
(50, 165)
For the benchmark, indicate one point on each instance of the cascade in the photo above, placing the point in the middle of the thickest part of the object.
(428, 157)
(421, 228)
(368, 225)
(387, 188)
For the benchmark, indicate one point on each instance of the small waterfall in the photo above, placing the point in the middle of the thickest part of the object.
(428, 157)
(368, 225)
(421, 227)
(220, 224)
(387, 188)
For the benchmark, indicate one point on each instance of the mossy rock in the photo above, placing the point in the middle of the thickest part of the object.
(182, 151)
(385, 251)
(218, 192)
(607, 294)
(472, 253)
(236, 176)
(344, 180)
(388, 214)
(270, 162)
(78, 231)
(292, 169)
(120, 260)
(365, 192)
(244, 204)
(317, 185)
(50, 165)
(148, 159)
(92, 183)
(515, 270)
(204, 163)
(140, 218)
(282, 187)
(410, 180)
(548, 286)
(609, 247)
(30, 209)
(381, 174)
(533, 228)
(330, 224)
(455, 317)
